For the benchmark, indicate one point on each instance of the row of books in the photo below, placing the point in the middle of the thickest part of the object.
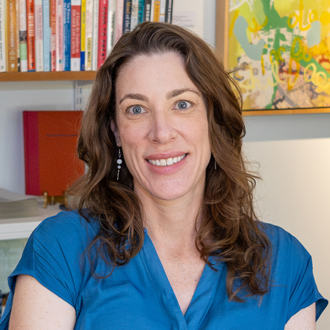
(69, 35)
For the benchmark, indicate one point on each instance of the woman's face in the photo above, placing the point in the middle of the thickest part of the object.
(162, 127)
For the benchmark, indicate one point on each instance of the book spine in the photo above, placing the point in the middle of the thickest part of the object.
(75, 35)
(102, 40)
(169, 11)
(30, 35)
(66, 35)
(119, 19)
(3, 60)
(147, 10)
(152, 6)
(31, 152)
(89, 35)
(134, 14)
(46, 34)
(38, 35)
(111, 25)
(53, 35)
(22, 35)
(141, 11)
(12, 36)
(127, 16)
(95, 35)
(59, 35)
(83, 35)
(156, 11)
(162, 11)
(17, 37)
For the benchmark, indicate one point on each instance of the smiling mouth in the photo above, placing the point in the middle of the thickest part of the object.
(166, 162)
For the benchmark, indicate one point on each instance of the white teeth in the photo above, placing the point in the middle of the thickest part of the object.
(169, 161)
(166, 162)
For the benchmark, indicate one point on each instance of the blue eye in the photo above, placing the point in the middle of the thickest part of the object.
(136, 110)
(183, 105)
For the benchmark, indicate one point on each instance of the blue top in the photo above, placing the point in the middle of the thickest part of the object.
(139, 295)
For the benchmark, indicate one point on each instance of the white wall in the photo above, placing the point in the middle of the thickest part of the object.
(293, 153)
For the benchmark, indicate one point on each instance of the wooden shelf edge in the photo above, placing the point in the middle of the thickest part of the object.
(285, 111)
(47, 76)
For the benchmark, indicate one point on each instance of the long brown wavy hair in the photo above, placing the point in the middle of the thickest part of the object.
(229, 228)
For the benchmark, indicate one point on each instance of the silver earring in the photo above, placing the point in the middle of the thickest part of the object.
(215, 165)
(119, 162)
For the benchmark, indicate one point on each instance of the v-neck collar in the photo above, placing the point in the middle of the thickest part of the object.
(201, 300)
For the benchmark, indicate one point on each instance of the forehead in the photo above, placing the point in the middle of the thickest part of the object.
(156, 72)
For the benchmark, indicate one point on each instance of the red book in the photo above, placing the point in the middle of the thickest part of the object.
(51, 163)
(52, 35)
(75, 35)
(102, 42)
(31, 59)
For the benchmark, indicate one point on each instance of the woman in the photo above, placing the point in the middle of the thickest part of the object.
(165, 236)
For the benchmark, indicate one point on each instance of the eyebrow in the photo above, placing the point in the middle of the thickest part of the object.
(169, 95)
(139, 97)
(177, 92)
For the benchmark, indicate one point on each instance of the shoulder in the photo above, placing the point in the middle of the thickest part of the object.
(282, 241)
(66, 226)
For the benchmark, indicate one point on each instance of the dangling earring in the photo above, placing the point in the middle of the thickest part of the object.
(215, 165)
(119, 162)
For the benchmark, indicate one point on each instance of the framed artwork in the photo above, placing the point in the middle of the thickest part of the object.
(279, 52)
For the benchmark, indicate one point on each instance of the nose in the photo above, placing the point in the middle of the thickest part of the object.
(162, 128)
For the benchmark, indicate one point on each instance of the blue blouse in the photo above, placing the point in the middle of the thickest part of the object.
(139, 295)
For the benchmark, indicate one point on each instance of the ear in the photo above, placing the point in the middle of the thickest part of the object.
(116, 133)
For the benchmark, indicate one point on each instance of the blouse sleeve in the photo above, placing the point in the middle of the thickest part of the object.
(52, 256)
(303, 289)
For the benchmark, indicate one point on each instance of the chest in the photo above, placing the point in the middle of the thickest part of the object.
(183, 276)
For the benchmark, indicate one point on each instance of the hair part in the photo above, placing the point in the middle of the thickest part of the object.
(229, 228)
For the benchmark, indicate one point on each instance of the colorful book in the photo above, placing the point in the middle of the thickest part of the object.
(95, 36)
(22, 35)
(83, 35)
(127, 16)
(169, 11)
(12, 36)
(119, 19)
(147, 10)
(162, 11)
(89, 35)
(46, 34)
(3, 51)
(66, 35)
(39, 35)
(50, 139)
(111, 25)
(53, 35)
(75, 35)
(59, 35)
(30, 35)
(134, 14)
(155, 11)
(141, 11)
(102, 39)
(17, 37)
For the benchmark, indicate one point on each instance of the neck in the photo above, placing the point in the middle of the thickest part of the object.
(172, 224)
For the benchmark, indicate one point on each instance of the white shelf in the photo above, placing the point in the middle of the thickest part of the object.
(16, 228)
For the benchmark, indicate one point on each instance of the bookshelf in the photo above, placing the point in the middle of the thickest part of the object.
(47, 76)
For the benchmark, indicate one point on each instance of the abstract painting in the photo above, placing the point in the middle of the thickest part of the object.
(280, 52)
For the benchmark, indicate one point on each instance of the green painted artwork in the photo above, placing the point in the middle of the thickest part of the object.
(280, 51)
